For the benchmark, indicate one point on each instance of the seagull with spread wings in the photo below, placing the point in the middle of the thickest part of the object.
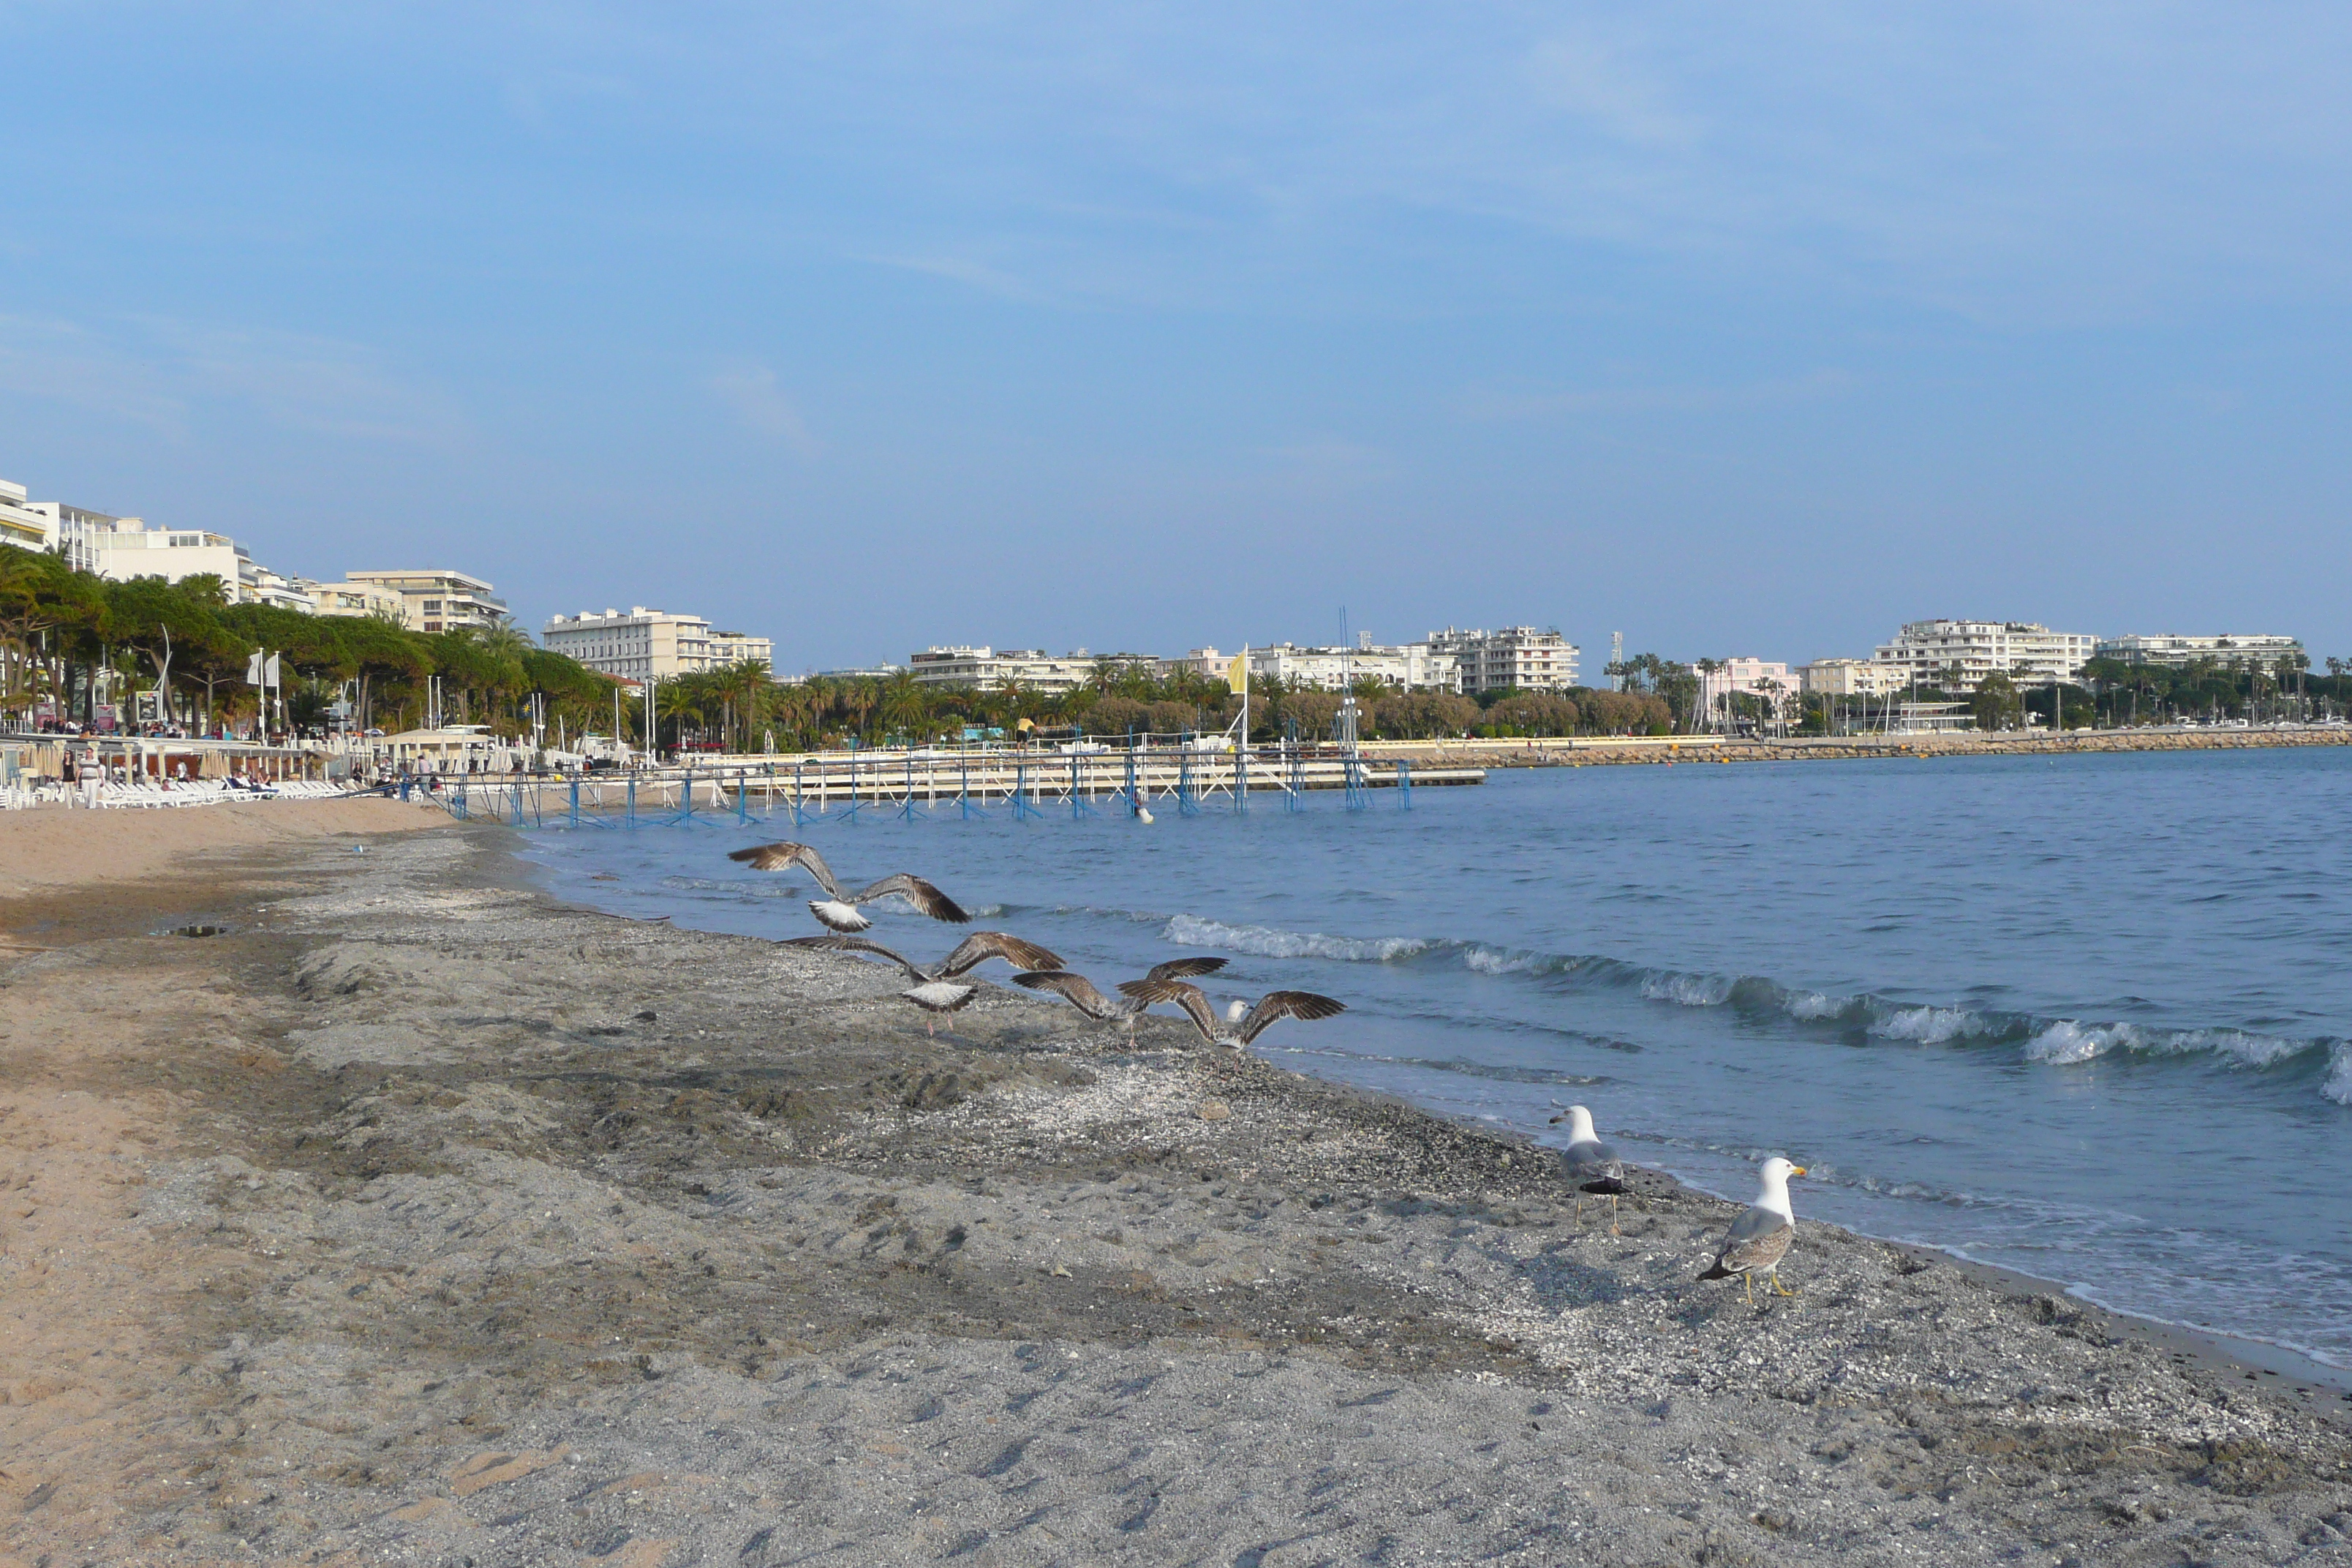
(1080, 993)
(838, 909)
(970, 953)
(1242, 1024)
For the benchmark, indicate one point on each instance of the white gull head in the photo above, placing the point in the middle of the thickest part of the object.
(1580, 1126)
(1774, 1192)
(1236, 1010)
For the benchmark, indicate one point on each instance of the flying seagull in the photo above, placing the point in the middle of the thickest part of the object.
(939, 997)
(1593, 1166)
(1759, 1238)
(970, 953)
(1237, 1028)
(1080, 993)
(839, 909)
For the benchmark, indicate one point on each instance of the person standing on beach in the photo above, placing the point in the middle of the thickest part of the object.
(93, 774)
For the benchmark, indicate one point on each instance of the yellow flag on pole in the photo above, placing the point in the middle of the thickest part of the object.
(1237, 673)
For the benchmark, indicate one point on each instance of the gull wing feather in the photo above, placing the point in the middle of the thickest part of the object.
(1177, 968)
(784, 857)
(982, 945)
(1277, 1004)
(1759, 1239)
(1595, 1165)
(927, 900)
(1077, 989)
(1191, 997)
(855, 944)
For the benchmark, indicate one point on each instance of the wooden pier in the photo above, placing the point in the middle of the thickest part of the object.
(843, 786)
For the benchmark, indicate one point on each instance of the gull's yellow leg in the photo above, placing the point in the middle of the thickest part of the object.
(1748, 1285)
(1777, 1286)
(1612, 1215)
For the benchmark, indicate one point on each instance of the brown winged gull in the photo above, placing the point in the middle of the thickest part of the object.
(1589, 1164)
(970, 953)
(1238, 1028)
(838, 910)
(1080, 993)
(1759, 1238)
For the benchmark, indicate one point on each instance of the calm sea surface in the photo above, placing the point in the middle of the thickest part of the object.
(2086, 1018)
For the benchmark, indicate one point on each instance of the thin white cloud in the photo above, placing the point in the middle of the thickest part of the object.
(168, 376)
(762, 406)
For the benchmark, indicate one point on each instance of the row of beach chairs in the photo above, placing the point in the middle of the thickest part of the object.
(151, 797)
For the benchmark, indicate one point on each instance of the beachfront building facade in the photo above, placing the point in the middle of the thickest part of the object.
(1956, 655)
(741, 648)
(19, 524)
(128, 547)
(353, 599)
(1851, 677)
(994, 669)
(2173, 651)
(438, 600)
(1771, 683)
(1512, 657)
(1403, 667)
(643, 644)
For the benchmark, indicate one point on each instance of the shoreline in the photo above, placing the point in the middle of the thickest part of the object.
(475, 1223)
(2229, 1353)
(1667, 750)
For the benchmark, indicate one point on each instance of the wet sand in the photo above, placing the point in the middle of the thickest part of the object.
(420, 1218)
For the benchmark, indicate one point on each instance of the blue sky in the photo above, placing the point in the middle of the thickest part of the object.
(1741, 329)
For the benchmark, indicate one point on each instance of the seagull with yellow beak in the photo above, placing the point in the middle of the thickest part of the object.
(1759, 1238)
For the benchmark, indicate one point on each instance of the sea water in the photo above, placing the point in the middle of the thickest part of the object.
(2086, 1017)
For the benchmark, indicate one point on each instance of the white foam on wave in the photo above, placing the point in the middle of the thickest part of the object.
(1932, 1025)
(2339, 1086)
(1689, 990)
(1496, 961)
(1266, 941)
(2068, 1041)
(1815, 1004)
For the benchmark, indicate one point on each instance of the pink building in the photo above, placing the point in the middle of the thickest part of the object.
(1769, 681)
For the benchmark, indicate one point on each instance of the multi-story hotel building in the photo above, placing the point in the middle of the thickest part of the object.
(2177, 652)
(994, 669)
(1957, 655)
(1519, 657)
(1408, 667)
(646, 644)
(438, 601)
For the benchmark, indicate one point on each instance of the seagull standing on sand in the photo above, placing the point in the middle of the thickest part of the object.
(838, 910)
(1245, 1022)
(1759, 1238)
(1080, 993)
(1590, 1164)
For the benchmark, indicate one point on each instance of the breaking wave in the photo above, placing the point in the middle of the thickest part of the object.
(2054, 1042)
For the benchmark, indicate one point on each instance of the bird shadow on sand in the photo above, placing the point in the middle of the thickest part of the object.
(1560, 1283)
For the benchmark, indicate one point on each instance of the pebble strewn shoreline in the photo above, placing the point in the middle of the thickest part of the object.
(476, 1228)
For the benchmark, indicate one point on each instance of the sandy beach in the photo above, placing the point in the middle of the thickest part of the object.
(417, 1217)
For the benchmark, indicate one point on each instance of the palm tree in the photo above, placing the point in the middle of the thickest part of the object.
(905, 704)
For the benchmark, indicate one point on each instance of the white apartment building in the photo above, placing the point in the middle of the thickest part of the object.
(739, 647)
(352, 599)
(19, 524)
(1511, 657)
(1957, 655)
(2177, 652)
(1407, 666)
(1769, 681)
(1851, 678)
(644, 644)
(438, 601)
(127, 549)
(993, 670)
